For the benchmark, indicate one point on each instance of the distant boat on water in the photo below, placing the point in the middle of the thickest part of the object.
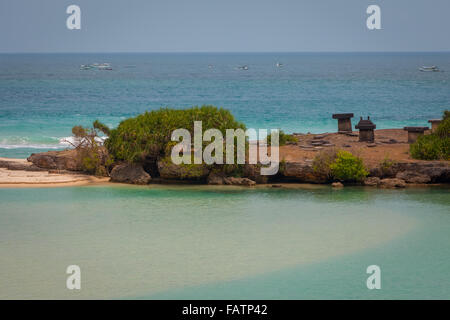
(101, 66)
(429, 69)
(243, 67)
(104, 66)
(279, 65)
(85, 67)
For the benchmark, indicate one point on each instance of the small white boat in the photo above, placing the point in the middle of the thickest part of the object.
(279, 65)
(243, 67)
(85, 67)
(104, 66)
(429, 69)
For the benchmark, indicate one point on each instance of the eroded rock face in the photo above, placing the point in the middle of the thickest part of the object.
(14, 164)
(130, 173)
(337, 185)
(392, 183)
(302, 172)
(215, 178)
(238, 181)
(413, 177)
(169, 170)
(218, 178)
(61, 160)
(437, 171)
(372, 181)
(253, 172)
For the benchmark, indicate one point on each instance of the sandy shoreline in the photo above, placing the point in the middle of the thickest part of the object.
(30, 178)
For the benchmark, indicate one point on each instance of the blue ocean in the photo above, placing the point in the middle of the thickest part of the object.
(42, 96)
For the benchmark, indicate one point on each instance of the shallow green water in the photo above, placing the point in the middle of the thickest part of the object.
(199, 242)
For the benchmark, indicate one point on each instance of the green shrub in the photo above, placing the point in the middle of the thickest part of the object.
(347, 167)
(435, 146)
(322, 162)
(148, 135)
(431, 147)
(283, 138)
(91, 156)
(443, 130)
(386, 165)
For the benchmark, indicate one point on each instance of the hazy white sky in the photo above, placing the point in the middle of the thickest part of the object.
(225, 25)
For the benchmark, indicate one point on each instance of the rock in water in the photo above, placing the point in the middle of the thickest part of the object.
(130, 173)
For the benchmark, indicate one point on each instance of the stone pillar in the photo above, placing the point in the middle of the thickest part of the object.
(414, 133)
(344, 121)
(366, 130)
(366, 135)
(434, 124)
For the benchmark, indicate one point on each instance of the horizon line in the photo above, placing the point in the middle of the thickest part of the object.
(212, 52)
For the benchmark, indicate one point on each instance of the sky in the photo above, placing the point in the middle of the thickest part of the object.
(224, 26)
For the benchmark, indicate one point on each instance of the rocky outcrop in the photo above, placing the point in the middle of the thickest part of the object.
(238, 181)
(18, 164)
(253, 172)
(337, 185)
(392, 183)
(130, 173)
(413, 177)
(61, 160)
(416, 172)
(169, 170)
(301, 172)
(372, 181)
(215, 178)
(218, 178)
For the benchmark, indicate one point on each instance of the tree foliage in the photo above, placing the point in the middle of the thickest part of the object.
(149, 135)
(88, 145)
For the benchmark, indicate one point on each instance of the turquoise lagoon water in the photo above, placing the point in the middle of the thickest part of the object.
(162, 242)
(42, 96)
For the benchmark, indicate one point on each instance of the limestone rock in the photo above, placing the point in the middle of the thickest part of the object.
(302, 172)
(413, 177)
(169, 170)
(253, 172)
(392, 183)
(18, 164)
(337, 185)
(239, 181)
(437, 171)
(130, 173)
(61, 160)
(215, 178)
(372, 181)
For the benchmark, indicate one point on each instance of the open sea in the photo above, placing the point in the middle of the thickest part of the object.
(188, 242)
(42, 96)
